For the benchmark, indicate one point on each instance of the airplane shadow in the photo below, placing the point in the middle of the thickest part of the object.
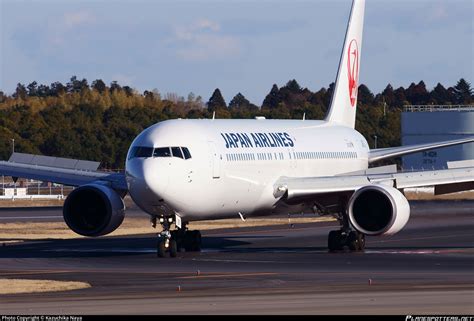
(100, 247)
(146, 245)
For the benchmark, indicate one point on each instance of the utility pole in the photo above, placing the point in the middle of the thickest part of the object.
(13, 145)
(375, 137)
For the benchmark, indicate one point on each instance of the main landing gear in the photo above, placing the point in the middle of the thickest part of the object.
(345, 237)
(175, 241)
(354, 240)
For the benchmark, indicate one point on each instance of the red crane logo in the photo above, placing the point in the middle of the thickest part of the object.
(353, 70)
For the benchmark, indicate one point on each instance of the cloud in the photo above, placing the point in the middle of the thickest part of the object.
(203, 40)
(437, 13)
(73, 19)
(204, 24)
(206, 47)
(67, 33)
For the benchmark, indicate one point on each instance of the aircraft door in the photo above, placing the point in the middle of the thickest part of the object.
(215, 160)
(293, 162)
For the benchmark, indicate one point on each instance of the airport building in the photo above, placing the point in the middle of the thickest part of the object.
(427, 124)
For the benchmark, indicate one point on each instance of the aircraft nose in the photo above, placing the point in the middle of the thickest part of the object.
(155, 176)
(146, 179)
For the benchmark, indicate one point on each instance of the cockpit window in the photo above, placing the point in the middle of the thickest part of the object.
(140, 151)
(177, 152)
(143, 152)
(186, 152)
(162, 152)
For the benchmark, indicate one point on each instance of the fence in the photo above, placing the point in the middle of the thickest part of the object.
(30, 189)
(435, 108)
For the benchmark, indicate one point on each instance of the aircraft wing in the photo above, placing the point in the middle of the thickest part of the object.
(445, 181)
(384, 153)
(65, 171)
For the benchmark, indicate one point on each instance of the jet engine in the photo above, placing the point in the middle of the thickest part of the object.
(93, 210)
(378, 210)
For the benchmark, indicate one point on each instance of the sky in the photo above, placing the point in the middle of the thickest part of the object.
(235, 45)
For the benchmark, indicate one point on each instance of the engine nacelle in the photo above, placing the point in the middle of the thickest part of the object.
(93, 210)
(378, 210)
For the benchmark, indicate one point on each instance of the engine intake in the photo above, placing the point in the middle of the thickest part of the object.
(93, 210)
(378, 210)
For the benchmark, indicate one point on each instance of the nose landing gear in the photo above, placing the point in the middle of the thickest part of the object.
(166, 244)
(176, 241)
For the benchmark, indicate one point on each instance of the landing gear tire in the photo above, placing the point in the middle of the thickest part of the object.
(334, 241)
(190, 241)
(353, 241)
(195, 236)
(161, 248)
(337, 240)
(361, 241)
(179, 240)
(173, 248)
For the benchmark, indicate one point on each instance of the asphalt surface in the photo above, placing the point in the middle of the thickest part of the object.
(428, 268)
(45, 214)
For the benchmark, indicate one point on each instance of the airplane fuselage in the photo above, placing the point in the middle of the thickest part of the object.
(233, 164)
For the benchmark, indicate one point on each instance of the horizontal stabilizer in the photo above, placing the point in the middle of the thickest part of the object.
(461, 164)
(58, 162)
(385, 153)
(65, 171)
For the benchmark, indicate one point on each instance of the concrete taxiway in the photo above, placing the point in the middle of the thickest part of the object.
(428, 268)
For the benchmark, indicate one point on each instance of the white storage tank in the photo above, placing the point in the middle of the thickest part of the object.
(427, 124)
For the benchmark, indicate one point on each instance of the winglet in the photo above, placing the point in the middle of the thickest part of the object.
(344, 100)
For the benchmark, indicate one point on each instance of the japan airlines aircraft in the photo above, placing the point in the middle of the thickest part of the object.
(180, 171)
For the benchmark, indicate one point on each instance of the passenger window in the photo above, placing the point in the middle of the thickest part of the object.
(186, 153)
(177, 152)
(162, 152)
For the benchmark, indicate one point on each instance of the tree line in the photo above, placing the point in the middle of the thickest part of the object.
(98, 121)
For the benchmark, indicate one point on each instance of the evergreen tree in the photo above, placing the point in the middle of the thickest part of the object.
(388, 96)
(364, 95)
(317, 98)
(58, 89)
(191, 97)
(293, 95)
(99, 85)
(293, 86)
(417, 94)
(440, 95)
(128, 91)
(20, 91)
(328, 96)
(463, 92)
(43, 91)
(400, 97)
(272, 100)
(76, 86)
(114, 86)
(239, 101)
(216, 101)
(33, 89)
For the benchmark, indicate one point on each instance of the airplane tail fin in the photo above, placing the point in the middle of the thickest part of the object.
(344, 99)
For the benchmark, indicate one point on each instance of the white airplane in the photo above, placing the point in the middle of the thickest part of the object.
(180, 171)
